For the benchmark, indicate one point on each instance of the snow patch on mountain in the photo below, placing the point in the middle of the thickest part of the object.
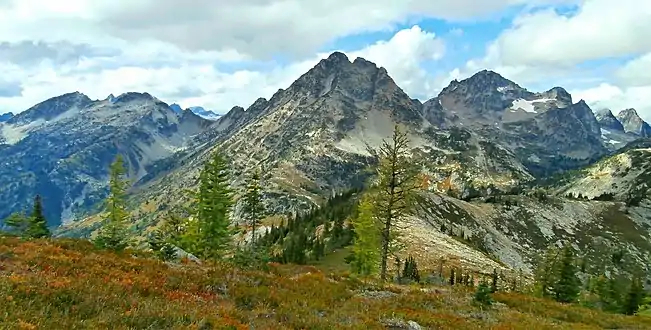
(527, 105)
(205, 114)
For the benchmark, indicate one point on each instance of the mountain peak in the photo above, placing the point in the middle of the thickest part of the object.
(338, 57)
(582, 103)
(630, 112)
(486, 80)
(607, 120)
(336, 74)
(6, 116)
(633, 123)
(176, 108)
(604, 112)
(53, 107)
(560, 94)
(133, 96)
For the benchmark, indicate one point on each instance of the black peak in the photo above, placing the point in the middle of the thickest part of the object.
(261, 101)
(630, 112)
(561, 94)
(360, 61)
(607, 120)
(132, 96)
(487, 74)
(489, 79)
(335, 61)
(338, 57)
(582, 103)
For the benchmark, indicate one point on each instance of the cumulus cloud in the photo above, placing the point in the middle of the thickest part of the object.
(636, 72)
(219, 54)
(176, 76)
(599, 29)
(617, 98)
(580, 50)
(257, 27)
(32, 52)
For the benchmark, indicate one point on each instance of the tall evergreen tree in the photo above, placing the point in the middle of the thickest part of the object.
(113, 235)
(568, 286)
(253, 207)
(545, 274)
(37, 227)
(395, 190)
(212, 209)
(634, 297)
(366, 245)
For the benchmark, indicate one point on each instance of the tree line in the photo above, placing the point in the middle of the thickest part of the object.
(370, 220)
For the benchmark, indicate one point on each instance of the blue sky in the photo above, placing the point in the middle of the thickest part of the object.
(218, 55)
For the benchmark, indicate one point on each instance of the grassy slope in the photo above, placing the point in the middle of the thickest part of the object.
(67, 284)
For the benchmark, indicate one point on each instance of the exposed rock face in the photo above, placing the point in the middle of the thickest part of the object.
(318, 136)
(607, 120)
(633, 123)
(572, 131)
(6, 116)
(61, 148)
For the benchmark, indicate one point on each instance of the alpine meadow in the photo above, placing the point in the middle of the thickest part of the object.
(388, 172)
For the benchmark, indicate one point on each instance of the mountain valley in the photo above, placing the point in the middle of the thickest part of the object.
(503, 167)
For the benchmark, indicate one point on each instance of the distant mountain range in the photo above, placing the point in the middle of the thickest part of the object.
(317, 137)
(199, 111)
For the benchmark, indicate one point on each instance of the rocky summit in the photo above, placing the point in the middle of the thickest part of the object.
(319, 135)
(61, 148)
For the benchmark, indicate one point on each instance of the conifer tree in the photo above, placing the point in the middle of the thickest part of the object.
(545, 274)
(634, 297)
(411, 270)
(164, 239)
(568, 286)
(366, 245)
(483, 295)
(452, 278)
(253, 207)
(212, 208)
(113, 235)
(395, 190)
(17, 223)
(37, 227)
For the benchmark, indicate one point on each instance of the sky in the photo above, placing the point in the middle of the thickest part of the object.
(218, 54)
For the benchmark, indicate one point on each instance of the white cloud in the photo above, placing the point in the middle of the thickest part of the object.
(403, 57)
(180, 77)
(255, 27)
(636, 72)
(581, 51)
(599, 29)
(178, 50)
(617, 98)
